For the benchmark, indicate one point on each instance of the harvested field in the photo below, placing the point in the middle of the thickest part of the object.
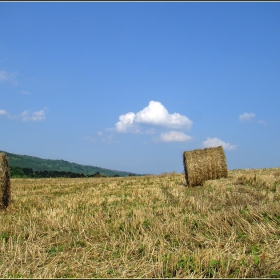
(143, 227)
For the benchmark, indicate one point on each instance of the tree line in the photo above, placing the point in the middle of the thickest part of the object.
(19, 172)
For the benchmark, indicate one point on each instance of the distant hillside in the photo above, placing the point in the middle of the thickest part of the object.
(39, 164)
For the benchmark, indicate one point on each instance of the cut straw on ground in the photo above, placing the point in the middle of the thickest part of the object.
(143, 227)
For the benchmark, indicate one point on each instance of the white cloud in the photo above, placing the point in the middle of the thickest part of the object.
(26, 115)
(249, 117)
(3, 112)
(35, 116)
(25, 92)
(173, 136)
(215, 142)
(126, 123)
(99, 133)
(246, 117)
(8, 77)
(157, 114)
(154, 114)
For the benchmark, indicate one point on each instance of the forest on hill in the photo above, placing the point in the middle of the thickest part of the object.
(35, 167)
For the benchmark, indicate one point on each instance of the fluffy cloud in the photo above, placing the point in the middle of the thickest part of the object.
(157, 114)
(154, 114)
(126, 123)
(174, 136)
(215, 142)
(246, 117)
(35, 116)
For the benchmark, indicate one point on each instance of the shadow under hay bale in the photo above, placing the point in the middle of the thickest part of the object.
(202, 165)
(5, 184)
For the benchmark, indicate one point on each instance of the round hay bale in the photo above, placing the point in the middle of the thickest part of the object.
(202, 165)
(5, 184)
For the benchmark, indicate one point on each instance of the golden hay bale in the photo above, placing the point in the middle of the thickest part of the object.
(5, 184)
(202, 165)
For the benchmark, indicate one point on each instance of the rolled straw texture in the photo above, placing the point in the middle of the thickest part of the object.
(202, 165)
(5, 184)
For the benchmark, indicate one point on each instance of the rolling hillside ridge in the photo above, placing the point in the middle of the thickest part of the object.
(39, 164)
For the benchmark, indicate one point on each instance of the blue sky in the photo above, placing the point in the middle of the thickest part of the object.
(131, 86)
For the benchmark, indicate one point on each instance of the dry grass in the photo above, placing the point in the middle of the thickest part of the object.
(202, 165)
(140, 227)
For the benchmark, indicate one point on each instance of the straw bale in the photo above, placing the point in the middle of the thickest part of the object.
(202, 165)
(5, 184)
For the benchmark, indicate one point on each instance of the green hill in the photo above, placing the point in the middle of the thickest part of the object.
(39, 164)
